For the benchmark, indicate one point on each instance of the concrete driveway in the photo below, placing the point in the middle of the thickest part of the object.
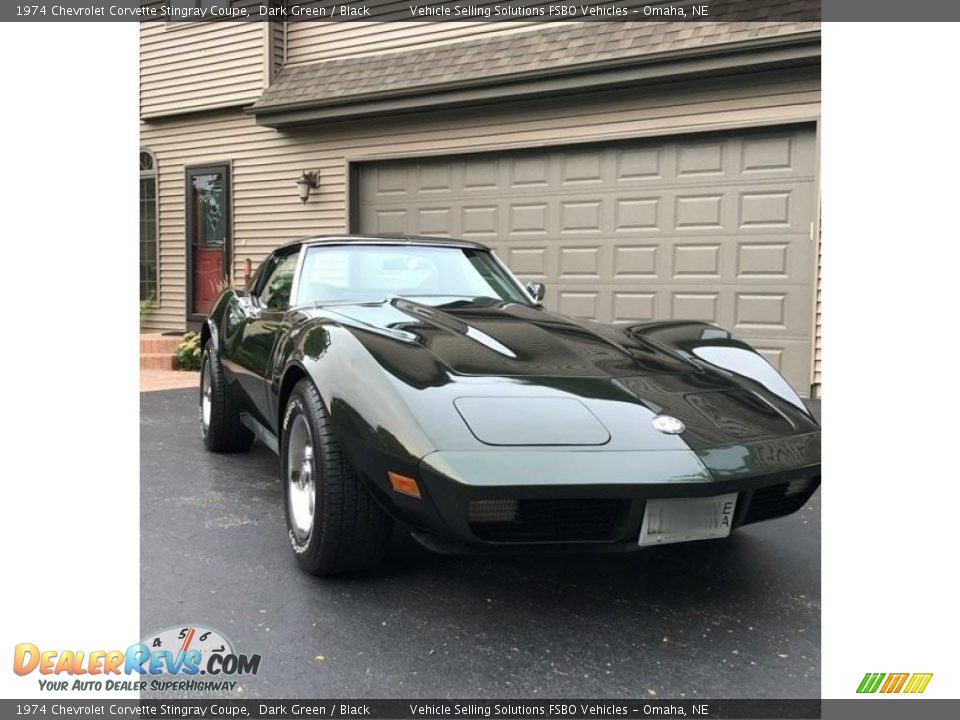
(727, 619)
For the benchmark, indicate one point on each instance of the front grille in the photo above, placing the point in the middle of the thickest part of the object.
(782, 499)
(556, 520)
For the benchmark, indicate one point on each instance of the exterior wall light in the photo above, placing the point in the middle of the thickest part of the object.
(307, 182)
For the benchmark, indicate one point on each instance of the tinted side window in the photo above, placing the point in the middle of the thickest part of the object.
(276, 288)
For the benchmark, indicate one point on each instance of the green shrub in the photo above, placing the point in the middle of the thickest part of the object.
(145, 307)
(188, 352)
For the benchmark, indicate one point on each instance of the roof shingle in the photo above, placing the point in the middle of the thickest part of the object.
(546, 49)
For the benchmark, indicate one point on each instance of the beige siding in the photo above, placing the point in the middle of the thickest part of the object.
(267, 210)
(309, 42)
(187, 67)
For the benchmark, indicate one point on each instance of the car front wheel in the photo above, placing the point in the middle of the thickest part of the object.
(333, 523)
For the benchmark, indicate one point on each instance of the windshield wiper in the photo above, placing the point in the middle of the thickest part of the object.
(328, 303)
(456, 295)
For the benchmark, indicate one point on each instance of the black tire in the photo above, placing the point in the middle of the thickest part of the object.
(348, 530)
(222, 431)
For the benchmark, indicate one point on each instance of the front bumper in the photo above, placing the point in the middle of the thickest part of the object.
(595, 500)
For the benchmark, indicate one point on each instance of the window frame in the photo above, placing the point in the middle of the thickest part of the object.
(152, 174)
(274, 262)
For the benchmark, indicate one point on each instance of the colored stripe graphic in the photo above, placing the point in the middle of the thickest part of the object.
(870, 682)
(894, 682)
(918, 682)
(187, 640)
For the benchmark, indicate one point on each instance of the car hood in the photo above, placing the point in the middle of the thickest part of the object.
(510, 340)
(534, 352)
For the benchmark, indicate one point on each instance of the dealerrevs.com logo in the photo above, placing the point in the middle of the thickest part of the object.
(170, 660)
(910, 683)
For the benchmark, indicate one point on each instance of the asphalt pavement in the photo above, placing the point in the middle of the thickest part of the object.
(718, 619)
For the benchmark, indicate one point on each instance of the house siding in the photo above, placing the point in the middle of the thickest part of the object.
(265, 162)
(309, 42)
(199, 66)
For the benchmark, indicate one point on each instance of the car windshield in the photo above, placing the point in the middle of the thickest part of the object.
(373, 273)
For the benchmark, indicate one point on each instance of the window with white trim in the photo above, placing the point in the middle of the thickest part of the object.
(149, 270)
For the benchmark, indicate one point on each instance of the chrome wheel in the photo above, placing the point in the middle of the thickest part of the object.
(301, 479)
(206, 397)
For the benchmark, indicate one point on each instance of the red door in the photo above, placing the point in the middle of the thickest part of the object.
(207, 276)
(208, 232)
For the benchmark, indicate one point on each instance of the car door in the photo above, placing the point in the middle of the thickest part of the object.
(256, 337)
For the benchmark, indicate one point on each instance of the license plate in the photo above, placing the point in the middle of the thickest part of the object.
(683, 519)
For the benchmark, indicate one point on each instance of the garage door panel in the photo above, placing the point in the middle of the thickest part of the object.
(481, 176)
(437, 221)
(387, 182)
(777, 154)
(583, 168)
(689, 304)
(581, 216)
(697, 261)
(636, 305)
(480, 221)
(529, 172)
(781, 259)
(390, 220)
(771, 154)
(698, 212)
(636, 214)
(529, 261)
(436, 179)
(527, 219)
(763, 260)
(637, 262)
(770, 311)
(713, 227)
(579, 263)
(585, 303)
(701, 157)
(775, 208)
(639, 165)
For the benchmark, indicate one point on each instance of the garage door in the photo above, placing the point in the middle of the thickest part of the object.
(715, 228)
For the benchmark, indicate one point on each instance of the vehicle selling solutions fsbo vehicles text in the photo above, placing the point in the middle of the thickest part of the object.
(557, 10)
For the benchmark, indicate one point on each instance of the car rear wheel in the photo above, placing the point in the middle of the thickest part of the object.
(220, 423)
(333, 522)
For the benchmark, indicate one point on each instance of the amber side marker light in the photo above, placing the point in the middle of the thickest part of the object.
(403, 484)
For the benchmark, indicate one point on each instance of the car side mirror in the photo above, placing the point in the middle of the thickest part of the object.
(249, 302)
(537, 291)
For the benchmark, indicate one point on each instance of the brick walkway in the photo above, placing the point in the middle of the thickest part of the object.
(167, 379)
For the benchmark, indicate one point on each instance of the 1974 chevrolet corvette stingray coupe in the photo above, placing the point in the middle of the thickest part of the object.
(416, 379)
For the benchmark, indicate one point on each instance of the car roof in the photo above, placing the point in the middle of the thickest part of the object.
(387, 240)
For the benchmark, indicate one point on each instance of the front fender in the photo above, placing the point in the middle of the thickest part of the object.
(372, 423)
(720, 351)
(218, 319)
(361, 397)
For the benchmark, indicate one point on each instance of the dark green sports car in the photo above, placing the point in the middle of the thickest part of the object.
(416, 380)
